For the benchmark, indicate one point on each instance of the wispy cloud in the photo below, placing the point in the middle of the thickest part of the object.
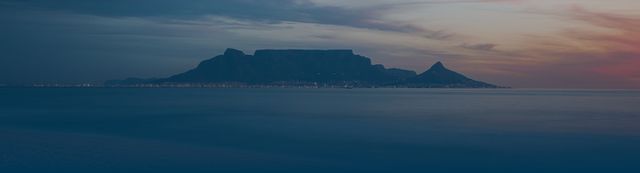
(605, 53)
(271, 11)
(492, 39)
(620, 47)
(479, 46)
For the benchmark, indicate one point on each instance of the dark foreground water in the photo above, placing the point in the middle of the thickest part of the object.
(319, 130)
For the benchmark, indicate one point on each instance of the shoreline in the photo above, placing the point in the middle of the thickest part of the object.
(241, 86)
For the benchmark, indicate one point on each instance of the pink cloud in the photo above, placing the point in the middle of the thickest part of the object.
(621, 48)
(605, 55)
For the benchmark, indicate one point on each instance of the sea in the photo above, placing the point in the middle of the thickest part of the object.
(283, 130)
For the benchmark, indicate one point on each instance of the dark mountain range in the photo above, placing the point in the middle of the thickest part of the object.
(307, 67)
(272, 66)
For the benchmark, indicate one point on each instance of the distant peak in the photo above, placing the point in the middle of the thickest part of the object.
(437, 66)
(233, 52)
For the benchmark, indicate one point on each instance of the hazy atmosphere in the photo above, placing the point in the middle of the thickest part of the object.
(518, 43)
(320, 86)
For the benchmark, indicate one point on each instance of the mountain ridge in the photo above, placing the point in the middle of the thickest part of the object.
(298, 67)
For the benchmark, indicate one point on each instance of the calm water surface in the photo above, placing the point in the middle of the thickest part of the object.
(319, 130)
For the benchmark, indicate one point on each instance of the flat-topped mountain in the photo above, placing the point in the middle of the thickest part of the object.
(271, 66)
(307, 67)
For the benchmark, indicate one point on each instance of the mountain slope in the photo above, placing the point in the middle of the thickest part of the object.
(438, 76)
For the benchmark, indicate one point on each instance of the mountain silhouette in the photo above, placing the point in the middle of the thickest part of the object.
(307, 67)
(438, 76)
(271, 66)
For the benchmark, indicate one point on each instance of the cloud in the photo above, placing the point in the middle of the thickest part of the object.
(438, 35)
(271, 11)
(146, 38)
(481, 46)
(619, 48)
(624, 36)
(601, 52)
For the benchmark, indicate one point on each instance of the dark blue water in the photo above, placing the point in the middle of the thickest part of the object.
(319, 130)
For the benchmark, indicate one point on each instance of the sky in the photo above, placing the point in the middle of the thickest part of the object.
(518, 43)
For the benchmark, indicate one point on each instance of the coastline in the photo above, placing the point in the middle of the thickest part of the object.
(239, 86)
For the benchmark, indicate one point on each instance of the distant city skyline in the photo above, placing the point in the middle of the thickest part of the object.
(519, 43)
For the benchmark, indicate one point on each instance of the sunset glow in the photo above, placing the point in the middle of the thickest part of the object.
(520, 43)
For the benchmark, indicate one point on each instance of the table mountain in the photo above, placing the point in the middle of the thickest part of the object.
(304, 68)
(270, 66)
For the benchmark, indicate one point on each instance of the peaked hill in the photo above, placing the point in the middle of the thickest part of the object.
(438, 76)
